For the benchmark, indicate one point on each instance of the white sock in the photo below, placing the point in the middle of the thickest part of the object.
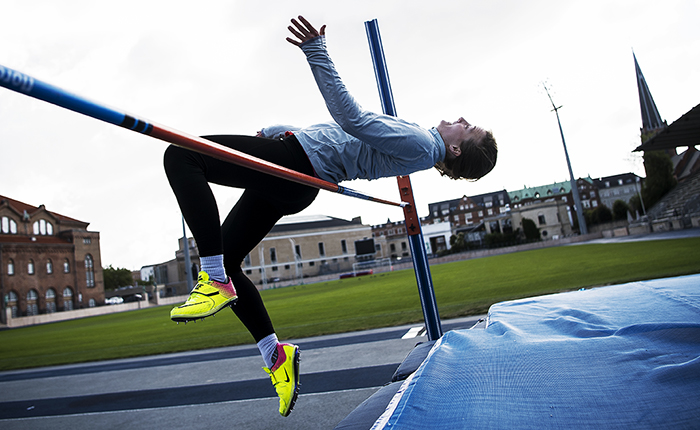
(214, 266)
(267, 347)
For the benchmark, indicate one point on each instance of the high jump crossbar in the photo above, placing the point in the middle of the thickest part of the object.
(27, 85)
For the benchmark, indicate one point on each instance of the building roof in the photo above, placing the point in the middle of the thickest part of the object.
(21, 208)
(685, 131)
(554, 189)
(614, 181)
(479, 199)
(313, 222)
(651, 120)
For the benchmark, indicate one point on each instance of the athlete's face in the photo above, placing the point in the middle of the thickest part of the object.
(455, 133)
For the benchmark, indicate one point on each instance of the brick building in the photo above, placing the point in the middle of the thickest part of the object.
(468, 214)
(48, 262)
(391, 240)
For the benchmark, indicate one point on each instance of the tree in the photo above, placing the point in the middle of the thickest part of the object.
(635, 205)
(659, 179)
(619, 210)
(458, 243)
(115, 278)
(530, 229)
(599, 215)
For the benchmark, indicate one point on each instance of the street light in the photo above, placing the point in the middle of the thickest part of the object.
(574, 188)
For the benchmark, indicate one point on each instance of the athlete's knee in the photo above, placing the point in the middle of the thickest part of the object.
(174, 158)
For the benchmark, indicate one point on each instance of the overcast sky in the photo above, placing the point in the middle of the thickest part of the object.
(215, 66)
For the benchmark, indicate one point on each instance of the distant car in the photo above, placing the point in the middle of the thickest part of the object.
(133, 298)
(116, 300)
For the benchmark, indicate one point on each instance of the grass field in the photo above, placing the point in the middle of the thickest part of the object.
(387, 299)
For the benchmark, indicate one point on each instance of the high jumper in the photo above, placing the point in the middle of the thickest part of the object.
(358, 144)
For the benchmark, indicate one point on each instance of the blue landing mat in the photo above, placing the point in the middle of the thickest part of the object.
(624, 356)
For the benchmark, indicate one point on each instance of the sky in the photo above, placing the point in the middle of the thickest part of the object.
(224, 67)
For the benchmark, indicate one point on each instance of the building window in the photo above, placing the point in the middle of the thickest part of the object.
(30, 267)
(273, 256)
(10, 267)
(297, 251)
(87, 241)
(50, 300)
(12, 303)
(43, 227)
(540, 219)
(246, 261)
(8, 226)
(91, 303)
(66, 266)
(89, 271)
(32, 306)
(49, 266)
(344, 246)
(68, 299)
(321, 250)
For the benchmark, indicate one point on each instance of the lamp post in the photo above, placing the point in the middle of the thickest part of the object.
(583, 229)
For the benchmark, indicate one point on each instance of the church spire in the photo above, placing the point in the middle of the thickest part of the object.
(651, 120)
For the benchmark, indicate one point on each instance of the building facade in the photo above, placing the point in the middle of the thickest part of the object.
(300, 247)
(552, 217)
(468, 214)
(296, 248)
(618, 187)
(556, 192)
(391, 240)
(48, 262)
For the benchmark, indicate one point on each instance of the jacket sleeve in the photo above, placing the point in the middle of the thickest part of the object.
(277, 131)
(384, 133)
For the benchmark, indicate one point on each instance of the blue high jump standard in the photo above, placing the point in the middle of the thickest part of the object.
(413, 228)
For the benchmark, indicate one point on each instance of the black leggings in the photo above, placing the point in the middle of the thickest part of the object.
(265, 200)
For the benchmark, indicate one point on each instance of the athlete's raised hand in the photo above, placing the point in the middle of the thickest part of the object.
(304, 31)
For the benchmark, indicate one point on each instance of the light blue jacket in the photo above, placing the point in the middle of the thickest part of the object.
(359, 144)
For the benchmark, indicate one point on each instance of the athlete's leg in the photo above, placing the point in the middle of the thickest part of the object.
(190, 173)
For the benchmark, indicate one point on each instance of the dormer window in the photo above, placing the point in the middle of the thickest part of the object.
(43, 228)
(8, 225)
